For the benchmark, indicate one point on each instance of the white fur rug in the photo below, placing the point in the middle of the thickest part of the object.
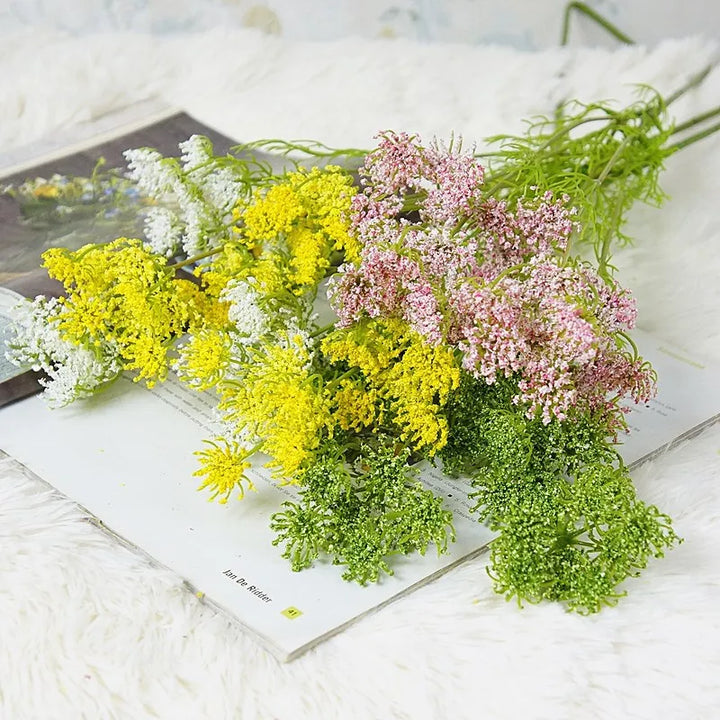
(90, 630)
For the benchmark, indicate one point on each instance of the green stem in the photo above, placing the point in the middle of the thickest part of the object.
(631, 342)
(586, 10)
(694, 138)
(307, 147)
(604, 256)
(334, 383)
(611, 162)
(195, 258)
(693, 82)
(696, 120)
(502, 275)
(255, 448)
(569, 128)
(322, 330)
(496, 180)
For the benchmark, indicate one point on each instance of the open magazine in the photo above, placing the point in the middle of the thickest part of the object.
(126, 455)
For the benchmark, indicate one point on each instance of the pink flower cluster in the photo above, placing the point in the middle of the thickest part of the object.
(553, 326)
(490, 281)
(509, 238)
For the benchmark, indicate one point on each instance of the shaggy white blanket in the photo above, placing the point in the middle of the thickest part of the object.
(88, 629)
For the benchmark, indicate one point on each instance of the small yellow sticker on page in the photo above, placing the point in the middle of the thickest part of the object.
(291, 612)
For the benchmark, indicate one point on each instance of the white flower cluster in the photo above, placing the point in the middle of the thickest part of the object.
(221, 189)
(72, 371)
(196, 151)
(200, 225)
(155, 175)
(244, 312)
(195, 196)
(162, 231)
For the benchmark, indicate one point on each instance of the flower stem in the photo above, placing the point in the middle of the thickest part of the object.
(255, 448)
(696, 120)
(586, 10)
(694, 138)
(334, 383)
(693, 82)
(195, 258)
(322, 330)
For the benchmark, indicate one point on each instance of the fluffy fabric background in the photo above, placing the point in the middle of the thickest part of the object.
(90, 630)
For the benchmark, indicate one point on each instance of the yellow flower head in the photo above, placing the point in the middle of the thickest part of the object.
(270, 214)
(326, 194)
(297, 225)
(205, 309)
(355, 406)
(369, 345)
(223, 465)
(270, 275)
(419, 386)
(204, 358)
(308, 260)
(46, 191)
(234, 261)
(279, 401)
(399, 366)
(123, 295)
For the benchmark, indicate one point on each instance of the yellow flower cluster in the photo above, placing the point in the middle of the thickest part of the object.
(270, 276)
(293, 228)
(401, 368)
(233, 261)
(280, 402)
(122, 295)
(277, 211)
(204, 358)
(223, 466)
(46, 191)
(356, 406)
(419, 386)
(369, 345)
(205, 310)
(326, 194)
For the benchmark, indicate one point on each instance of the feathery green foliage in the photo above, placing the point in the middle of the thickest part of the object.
(361, 516)
(604, 159)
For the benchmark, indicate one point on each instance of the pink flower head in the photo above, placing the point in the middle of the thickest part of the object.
(397, 164)
(455, 185)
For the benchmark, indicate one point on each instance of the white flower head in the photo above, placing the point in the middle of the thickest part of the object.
(196, 151)
(154, 174)
(244, 312)
(221, 189)
(198, 225)
(72, 371)
(163, 230)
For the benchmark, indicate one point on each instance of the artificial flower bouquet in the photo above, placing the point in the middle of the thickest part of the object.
(432, 306)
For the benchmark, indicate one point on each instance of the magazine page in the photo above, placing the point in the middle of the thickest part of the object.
(687, 401)
(127, 457)
(40, 208)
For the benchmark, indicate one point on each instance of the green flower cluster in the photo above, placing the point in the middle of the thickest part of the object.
(362, 515)
(570, 525)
